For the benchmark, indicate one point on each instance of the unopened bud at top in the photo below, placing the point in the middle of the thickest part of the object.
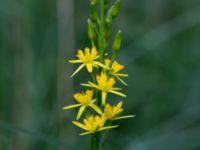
(115, 8)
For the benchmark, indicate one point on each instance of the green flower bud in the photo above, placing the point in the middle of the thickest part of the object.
(91, 30)
(117, 41)
(109, 16)
(108, 29)
(93, 11)
(115, 8)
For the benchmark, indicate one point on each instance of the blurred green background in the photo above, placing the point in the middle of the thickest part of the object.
(161, 51)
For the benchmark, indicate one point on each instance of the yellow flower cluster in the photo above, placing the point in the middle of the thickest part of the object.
(109, 71)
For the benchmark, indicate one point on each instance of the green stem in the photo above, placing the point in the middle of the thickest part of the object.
(112, 58)
(92, 143)
(92, 77)
(105, 135)
(111, 62)
(101, 39)
(101, 28)
(92, 43)
(95, 142)
(96, 91)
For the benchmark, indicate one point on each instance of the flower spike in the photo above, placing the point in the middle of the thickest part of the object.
(104, 72)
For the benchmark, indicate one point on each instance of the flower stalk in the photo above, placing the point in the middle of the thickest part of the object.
(95, 115)
(101, 27)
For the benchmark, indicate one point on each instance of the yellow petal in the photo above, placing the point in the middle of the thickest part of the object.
(75, 61)
(96, 108)
(80, 54)
(94, 85)
(71, 106)
(117, 93)
(101, 65)
(122, 81)
(94, 52)
(89, 94)
(81, 109)
(78, 69)
(116, 89)
(107, 62)
(87, 85)
(107, 128)
(116, 67)
(121, 74)
(103, 95)
(85, 133)
(80, 125)
(87, 52)
(124, 117)
(89, 67)
(96, 57)
(94, 100)
(90, 84)
(111, 82)
(119, 105)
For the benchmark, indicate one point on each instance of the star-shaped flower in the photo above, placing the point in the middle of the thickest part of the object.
(113, 112)
(115, 68)
(105, 85)
(85, 100)
(87, 58)
(93, 124)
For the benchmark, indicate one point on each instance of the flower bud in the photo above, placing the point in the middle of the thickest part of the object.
(91, 30)
(117, 41)
(115, 9)
(109, 16)
(108, 29)
(93, 11)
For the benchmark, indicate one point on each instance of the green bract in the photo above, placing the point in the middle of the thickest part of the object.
(117, 41)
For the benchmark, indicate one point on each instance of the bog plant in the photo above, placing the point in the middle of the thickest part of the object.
(93, 104)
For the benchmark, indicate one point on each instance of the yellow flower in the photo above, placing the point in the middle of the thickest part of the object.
(105, 85)
(87, 59)
(85, 100)
(114, 70)
(93, 124)
(113, 112)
